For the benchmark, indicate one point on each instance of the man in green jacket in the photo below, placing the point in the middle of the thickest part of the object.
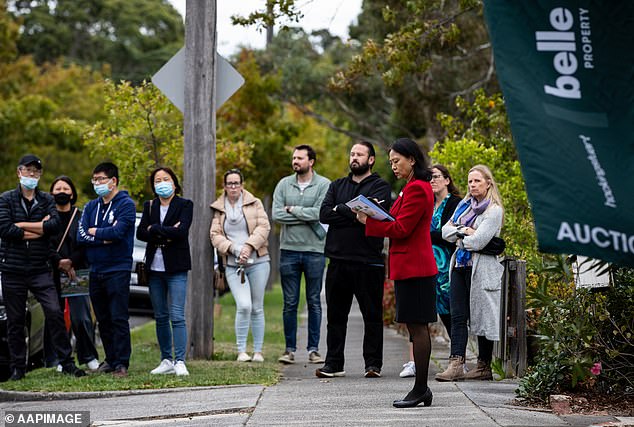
(296, 204)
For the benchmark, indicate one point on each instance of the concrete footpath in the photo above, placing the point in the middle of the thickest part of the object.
(303, 399)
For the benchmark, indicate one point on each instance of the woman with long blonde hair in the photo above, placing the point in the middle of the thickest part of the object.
(476, 278)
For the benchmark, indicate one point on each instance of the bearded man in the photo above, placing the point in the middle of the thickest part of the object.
(356, 264)
(296, 202)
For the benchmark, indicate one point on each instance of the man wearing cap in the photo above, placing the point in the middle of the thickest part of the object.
(27, 220)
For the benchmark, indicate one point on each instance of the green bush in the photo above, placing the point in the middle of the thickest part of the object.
(588, 339)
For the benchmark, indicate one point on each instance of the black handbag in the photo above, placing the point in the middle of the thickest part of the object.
(220, 281)
(142, 278)
(495, 247)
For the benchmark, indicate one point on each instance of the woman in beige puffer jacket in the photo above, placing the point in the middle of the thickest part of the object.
(239, 231)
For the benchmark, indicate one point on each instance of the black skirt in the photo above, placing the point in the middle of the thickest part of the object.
(416, 300)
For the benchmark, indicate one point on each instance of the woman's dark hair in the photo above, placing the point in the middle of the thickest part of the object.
(68, 181)
(408, 148)
(170, 172)
(445, 172)
(231, 172)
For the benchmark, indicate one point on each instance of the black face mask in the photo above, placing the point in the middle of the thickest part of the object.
(62, 198)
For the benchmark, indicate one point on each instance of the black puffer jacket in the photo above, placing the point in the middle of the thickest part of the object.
(26, 256)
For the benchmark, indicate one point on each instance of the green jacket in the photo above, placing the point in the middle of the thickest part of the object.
(301, 230)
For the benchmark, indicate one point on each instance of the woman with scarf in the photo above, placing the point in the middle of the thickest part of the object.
(239, 231)
(476, 279)
(165, 226)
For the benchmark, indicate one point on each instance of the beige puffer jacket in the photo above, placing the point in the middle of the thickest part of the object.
(258, 224)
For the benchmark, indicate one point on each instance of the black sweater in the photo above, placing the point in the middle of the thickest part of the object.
(346, 238)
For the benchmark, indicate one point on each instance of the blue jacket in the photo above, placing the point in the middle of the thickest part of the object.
(110, 249)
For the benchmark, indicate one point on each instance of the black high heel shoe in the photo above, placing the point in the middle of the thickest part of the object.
(411, 401)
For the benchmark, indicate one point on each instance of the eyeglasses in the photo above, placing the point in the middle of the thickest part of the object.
(100, 179)
(436, 177)
(233, 184)
(30, 171)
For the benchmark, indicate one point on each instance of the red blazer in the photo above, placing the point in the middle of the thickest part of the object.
(411, 254)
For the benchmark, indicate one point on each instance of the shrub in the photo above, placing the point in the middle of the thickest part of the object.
(389, 303)
(588, 338)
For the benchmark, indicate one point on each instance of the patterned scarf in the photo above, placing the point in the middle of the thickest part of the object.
(463, 256)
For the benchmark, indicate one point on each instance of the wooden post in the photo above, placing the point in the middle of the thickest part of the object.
(200, 168)
(511, 348)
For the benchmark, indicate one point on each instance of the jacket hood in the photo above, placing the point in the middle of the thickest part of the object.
(219, 204)
(370, 178)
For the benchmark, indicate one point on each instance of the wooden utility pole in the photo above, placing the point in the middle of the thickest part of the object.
(200, 168)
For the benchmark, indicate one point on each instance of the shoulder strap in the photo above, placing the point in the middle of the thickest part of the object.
(61, 242)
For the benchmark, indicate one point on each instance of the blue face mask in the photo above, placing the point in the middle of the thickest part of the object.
(102, 190)
(164, 189)
(28, 182)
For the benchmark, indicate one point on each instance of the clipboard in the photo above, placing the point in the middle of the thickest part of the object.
(368, 207)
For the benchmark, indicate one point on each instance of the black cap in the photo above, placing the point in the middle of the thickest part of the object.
(30, 159)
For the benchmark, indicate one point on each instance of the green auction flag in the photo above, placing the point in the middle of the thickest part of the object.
(567, 73)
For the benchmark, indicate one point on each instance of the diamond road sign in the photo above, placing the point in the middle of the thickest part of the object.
(170, 79)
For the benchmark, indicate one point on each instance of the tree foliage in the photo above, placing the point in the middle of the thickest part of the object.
(44, 110)
(141, 130)
(133, 37)
(274, 11)
(480, 134)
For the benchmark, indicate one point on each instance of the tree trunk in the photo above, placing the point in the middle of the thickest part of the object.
(200, 168)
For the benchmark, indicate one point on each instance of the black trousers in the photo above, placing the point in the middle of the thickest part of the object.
(365, 282)
(460, 292)
(14, 291)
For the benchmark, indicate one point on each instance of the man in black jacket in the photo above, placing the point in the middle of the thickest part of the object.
(27, 220)
(356, 266)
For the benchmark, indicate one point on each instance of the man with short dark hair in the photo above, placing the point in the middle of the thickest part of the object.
(356, 267)
(296, 203)
(107, 229)
(28, 218)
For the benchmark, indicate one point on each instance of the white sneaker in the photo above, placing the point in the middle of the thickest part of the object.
(180, 368)
(243, 357)
(59, 368)
(409, 370)
(257, 357)
(165, 367)
(93, 365)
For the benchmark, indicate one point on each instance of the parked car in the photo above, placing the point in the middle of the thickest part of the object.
(139, 294)
(33, 335)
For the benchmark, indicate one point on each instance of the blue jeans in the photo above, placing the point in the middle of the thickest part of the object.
(292, 265)
(249, 297)
(110, 295)
(168, 292)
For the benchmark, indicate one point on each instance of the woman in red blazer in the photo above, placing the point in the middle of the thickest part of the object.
(412, 263)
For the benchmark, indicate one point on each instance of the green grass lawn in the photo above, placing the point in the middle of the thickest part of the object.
(222, 370)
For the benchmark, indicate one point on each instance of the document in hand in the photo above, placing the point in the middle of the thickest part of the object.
(368, 207)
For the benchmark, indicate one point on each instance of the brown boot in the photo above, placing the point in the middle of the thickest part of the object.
(481, 372)
(455, 370)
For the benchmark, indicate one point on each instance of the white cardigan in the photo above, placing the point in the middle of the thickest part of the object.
(486, 276)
